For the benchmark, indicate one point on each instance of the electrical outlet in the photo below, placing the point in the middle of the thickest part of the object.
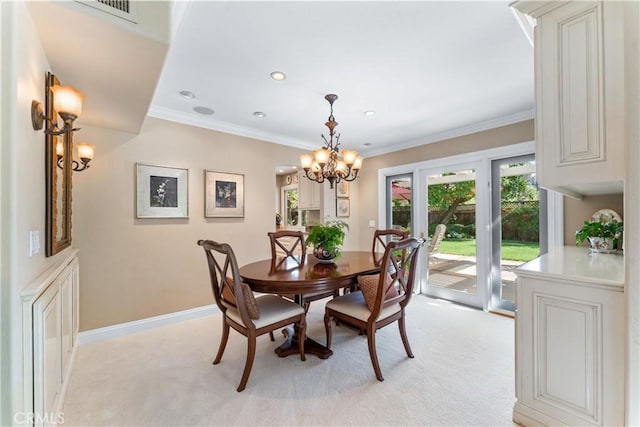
(34, 242)
(372, 223)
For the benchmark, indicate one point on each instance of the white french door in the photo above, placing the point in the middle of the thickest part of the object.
(471, 194)
(458, 197)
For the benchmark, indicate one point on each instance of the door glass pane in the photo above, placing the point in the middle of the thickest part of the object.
(400, 196)
(452, 245)
(291, 203)
(519, 209)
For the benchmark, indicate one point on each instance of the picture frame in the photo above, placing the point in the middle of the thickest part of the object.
(161, 191)
(342, 208)
(223, 195)
(342, 189)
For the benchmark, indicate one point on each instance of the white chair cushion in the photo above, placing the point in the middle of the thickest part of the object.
(353, 304)
(272, 309)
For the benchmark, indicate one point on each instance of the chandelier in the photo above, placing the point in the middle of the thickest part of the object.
(328, 163)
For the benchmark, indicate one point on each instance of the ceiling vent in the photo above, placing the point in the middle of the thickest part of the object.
(124, 9)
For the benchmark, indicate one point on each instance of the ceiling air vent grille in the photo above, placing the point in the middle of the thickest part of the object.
(121, 5)
(125, 9)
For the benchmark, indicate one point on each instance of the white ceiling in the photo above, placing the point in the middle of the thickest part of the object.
(430, 70)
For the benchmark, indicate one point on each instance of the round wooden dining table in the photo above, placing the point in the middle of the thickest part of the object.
(288, 277)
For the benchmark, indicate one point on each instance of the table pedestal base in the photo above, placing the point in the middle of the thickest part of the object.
(290, 346)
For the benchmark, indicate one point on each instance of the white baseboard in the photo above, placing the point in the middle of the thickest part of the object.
(123, 329)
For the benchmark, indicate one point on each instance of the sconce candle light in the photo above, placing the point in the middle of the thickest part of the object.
(67, 102)
(85, 152)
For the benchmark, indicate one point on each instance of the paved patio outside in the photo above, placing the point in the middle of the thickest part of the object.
(458, 273)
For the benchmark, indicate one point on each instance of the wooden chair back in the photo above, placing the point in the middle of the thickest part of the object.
(382, 238)
(226, 282)
(287, 244)
(400, 262)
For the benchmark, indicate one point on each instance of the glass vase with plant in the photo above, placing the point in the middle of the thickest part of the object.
(327, 239)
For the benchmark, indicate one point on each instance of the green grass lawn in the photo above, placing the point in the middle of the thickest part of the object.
(511, 250)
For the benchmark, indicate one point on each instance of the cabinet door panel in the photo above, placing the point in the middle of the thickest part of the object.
(47, 375)
(581, 82)
(566, 356)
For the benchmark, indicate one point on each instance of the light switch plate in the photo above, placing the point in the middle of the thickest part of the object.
(372, 223)
(34, 242)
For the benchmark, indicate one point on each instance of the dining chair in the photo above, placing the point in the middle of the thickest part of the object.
(288, 249)
(382, 298)
(382, 238)
(243, 312)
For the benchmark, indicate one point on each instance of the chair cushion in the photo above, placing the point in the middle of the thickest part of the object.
(352, 304)
(249, 298)
(369, 287)
(272, 309)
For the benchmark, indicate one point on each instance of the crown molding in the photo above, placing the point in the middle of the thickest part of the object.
(453, 133)
(220, 126)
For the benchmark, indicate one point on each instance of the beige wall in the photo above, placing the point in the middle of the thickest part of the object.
(368, 183)
(136, 268)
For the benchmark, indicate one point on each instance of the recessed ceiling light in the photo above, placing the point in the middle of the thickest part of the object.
(278, 75)
(259, 114)
(369, 113)
(203, 110)
(187, 94)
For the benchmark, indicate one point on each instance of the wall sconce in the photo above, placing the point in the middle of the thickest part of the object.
(85, 152)
(66, 101)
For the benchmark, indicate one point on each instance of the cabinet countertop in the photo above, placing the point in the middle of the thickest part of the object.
(577, 266)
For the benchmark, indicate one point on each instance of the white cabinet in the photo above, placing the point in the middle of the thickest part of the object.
(50, 329)
(579, 79)
(309, 193)
(570, 339)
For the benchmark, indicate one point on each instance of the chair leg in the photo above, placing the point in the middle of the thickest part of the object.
(371, 340)
(306, 306)
(251, 353)
(223, 340)
(302, 336)
(271, 336)
(327, 328)
(403, 335)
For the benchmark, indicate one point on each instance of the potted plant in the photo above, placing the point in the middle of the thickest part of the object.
(327, 239)
(278, 218)
(603, 235)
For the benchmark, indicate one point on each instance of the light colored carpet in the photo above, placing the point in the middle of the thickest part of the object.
(463, 374)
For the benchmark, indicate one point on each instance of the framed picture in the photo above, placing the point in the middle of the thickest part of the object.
(342, 189)
(342, 207)
(161, 192)
(223, 195)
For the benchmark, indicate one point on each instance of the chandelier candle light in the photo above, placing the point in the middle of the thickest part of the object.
(326, 163)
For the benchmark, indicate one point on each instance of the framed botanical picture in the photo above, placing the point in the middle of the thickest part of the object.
(342, 207)
(161, 191)
(342, 189)
(223, 195)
